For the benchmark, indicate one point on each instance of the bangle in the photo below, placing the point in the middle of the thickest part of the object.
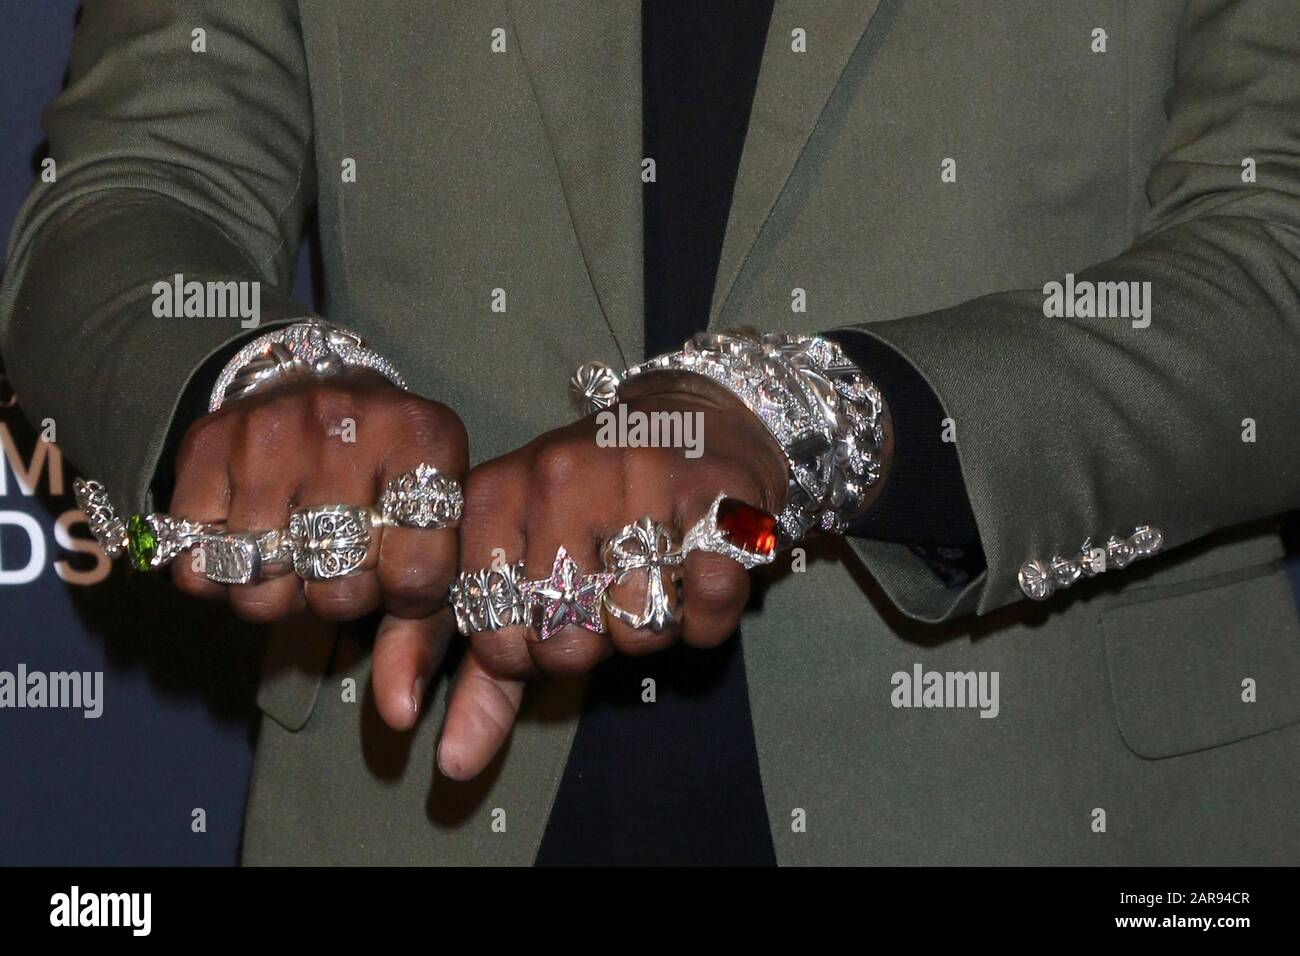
(826, 415)
(311, 347)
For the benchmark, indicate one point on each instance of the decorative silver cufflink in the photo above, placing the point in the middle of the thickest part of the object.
(1040, 579)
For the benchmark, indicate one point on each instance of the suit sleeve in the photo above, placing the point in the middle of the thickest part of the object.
(923, 504)
(177, 153)
(1076, 428)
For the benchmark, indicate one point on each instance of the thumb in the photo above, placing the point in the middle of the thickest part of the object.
(407, 652)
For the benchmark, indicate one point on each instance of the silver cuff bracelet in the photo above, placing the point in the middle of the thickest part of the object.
(312, 347)
(826, 415)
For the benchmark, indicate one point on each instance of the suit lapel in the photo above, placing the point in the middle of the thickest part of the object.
(793, 89)
(584, 64)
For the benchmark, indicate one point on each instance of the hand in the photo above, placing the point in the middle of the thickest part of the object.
(563, 489)
(256, 460)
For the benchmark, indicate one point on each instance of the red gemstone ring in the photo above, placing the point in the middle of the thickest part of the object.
(734, 530)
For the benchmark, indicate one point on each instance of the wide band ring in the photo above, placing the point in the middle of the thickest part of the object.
(644, 546)
(246, 557)
(422, 498)
(333, 541)
(489, 599)
(735, 530)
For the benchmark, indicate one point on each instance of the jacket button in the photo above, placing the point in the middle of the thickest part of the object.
(1146, 541)
(1066, 571)
(1036, 580)
(1119, 554)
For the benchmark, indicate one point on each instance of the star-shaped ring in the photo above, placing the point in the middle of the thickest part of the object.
(568, 597)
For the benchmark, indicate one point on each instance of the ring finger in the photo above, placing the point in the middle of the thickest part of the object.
(264, 508)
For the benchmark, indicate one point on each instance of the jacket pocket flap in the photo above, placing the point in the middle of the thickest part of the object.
(1184, 666)
(298, 652)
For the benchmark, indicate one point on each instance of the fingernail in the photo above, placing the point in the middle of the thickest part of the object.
(417, 695)
(438, 757)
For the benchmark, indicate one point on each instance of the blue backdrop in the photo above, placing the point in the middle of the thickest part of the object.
(178, 721)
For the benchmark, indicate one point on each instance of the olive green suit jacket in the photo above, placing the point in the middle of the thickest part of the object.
(920, 169)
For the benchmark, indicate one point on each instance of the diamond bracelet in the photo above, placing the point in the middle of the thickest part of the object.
(309, 347)
(826, 415)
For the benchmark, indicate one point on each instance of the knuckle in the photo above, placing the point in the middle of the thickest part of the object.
(486, 487)
(647, 472)
(415, 584)
(265, 433)
(328, 404)
(190, 582)
(343, 600)
(260, 605)
(557, 463)
(631, 642)
(504, 653)
(725, 476)
(423, 424)
(207, 440)
(565, 654)
(439, 419)
(716, 590)
(651, 460)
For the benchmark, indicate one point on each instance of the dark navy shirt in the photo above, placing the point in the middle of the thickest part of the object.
(676, 782)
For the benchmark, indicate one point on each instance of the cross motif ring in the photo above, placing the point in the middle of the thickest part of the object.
(644, 546)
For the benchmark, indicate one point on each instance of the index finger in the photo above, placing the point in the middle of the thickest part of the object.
(480, 716)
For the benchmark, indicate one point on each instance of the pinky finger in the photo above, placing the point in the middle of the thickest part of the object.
(715, 590)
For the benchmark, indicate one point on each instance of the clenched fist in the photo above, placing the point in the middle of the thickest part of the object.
(568, 489)
(335, 440)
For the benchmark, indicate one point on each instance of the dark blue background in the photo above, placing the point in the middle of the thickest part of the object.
(179, 676)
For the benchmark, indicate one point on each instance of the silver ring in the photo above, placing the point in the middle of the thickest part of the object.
(422, 498)
(154, 540)
(643, 546)
(489, 599)
(107, 527)
(245, 557)
(149, 541)
(568, 597)
(332, 541)
(708, 534)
